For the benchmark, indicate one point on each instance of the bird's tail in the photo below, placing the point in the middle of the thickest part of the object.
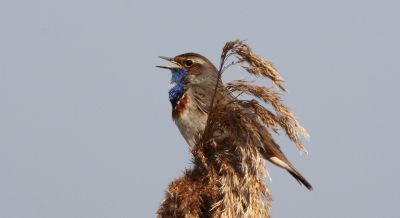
(300, 178)
(290, 168)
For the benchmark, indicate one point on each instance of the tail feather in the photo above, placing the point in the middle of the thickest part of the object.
(300, 179)
(285, 164)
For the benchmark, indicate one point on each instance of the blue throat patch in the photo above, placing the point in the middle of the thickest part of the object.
(178, 86)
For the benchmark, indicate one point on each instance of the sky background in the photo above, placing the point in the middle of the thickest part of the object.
(85, 126)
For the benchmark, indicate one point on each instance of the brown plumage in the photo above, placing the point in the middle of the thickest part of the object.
(228, 174)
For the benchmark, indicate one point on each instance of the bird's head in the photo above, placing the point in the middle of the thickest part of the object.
(190, 70)
(197, 68)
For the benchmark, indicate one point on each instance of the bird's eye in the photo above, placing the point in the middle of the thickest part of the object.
(188, 63)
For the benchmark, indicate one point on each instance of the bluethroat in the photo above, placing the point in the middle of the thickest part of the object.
(193, 82)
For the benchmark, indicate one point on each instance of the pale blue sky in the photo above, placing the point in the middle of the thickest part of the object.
(85, 127)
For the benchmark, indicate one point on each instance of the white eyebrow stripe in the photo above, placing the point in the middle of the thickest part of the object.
(197, 60)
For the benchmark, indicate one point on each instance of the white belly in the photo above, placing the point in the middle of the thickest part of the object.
(191, 123)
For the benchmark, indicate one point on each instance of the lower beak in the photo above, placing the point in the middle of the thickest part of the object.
(169, 67)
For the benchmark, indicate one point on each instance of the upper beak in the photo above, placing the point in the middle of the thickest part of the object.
(176, 65)
(165, 58)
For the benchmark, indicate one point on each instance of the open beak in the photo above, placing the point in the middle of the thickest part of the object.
(176, 65)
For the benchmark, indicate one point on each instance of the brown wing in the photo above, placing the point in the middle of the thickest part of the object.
(243, 125)
(272, 151)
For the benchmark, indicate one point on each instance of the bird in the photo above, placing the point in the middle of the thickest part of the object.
(192, 92)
